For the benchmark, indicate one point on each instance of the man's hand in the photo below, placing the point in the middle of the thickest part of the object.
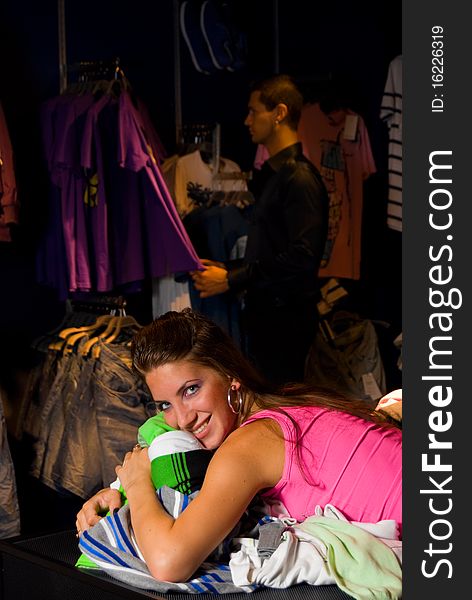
(212, 281)
(104, 500)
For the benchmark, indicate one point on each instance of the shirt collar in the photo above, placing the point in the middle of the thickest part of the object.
(278, 160)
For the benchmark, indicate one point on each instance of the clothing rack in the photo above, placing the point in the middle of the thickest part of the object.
(97, 304)
(104, 76)
(93, 70)
(87, 70)
(197, 133)
(81, 311)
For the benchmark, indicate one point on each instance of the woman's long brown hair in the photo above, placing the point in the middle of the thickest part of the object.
(189, 335)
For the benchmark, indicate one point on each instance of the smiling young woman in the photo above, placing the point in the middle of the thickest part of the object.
(190, 395)
(298, 445)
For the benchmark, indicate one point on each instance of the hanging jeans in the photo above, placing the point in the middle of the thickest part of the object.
(53, 416)
(120, 399)
(9, 509)
(40, 380)
(77, 465)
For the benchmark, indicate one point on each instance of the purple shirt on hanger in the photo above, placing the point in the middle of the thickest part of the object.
(115, 221)
(92, 161)
(170, 249)
(71, 117)
(59, 243)
(124, 199)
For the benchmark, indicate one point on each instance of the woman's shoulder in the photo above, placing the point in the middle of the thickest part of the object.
(286, 421)
(258, 448)
(253, 429)
(262, 438)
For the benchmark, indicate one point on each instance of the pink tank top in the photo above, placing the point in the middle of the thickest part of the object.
(350, 463)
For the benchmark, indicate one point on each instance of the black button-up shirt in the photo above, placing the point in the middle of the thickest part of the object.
(287, 233)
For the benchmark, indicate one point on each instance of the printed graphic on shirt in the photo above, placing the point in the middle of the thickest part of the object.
(91, 190)
(332, 155)
(331, 160)
(334, 221)
(344, 164)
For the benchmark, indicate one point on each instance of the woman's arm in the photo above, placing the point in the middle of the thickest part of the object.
(250, 460)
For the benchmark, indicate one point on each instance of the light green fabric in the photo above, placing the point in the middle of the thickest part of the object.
(153, 427)
(85, 562)
(362, 565)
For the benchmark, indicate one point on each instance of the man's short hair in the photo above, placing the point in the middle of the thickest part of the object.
(281, 89)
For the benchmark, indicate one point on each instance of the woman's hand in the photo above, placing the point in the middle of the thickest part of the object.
(103, 501)
(136, 468)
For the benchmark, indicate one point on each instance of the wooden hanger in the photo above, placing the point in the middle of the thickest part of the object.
(101, 320)
(123, 322)
(92, 306)
(106, 332)
(71, 335)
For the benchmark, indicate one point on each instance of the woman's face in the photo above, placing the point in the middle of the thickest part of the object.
(193, 398)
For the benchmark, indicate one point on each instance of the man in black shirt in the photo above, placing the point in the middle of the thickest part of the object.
(285, 241)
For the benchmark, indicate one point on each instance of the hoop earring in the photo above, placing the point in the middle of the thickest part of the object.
(239, 399)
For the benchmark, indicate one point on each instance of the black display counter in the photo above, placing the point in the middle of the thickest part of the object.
(42, 567)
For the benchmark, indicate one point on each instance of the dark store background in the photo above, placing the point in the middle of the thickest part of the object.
(348, 44)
